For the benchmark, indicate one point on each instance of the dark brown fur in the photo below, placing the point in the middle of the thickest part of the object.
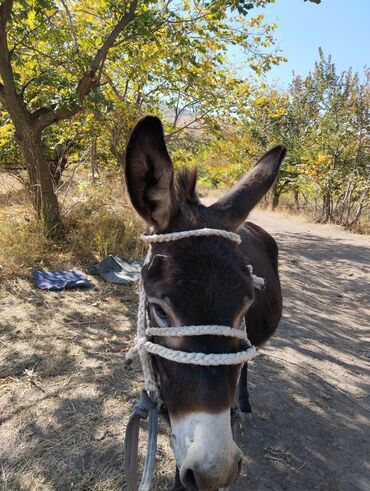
(206, 281)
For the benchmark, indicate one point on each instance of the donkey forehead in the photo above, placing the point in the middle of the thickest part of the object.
(198, 274)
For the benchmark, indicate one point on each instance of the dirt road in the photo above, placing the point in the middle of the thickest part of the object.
(311, 421)
(65, 396)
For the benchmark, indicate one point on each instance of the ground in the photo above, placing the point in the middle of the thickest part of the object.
(65, 395)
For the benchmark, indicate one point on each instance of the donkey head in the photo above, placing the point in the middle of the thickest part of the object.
(195, 281)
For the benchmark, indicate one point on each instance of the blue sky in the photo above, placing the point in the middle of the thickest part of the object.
(340, 27)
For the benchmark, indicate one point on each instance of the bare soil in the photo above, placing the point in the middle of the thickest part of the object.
(65, 395)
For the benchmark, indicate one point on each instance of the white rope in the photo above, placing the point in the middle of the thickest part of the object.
(145, 348)
(138, 347)
(193, 358)
(258, 282)
(197, 331)
(201, 232)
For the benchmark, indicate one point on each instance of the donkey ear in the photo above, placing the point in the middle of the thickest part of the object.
(244, 196)
(149, 174)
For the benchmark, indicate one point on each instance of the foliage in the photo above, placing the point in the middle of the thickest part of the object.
(172, 58)
(337, 143)
(323, 120)
(9, 154)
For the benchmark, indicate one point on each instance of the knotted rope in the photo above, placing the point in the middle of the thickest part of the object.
(144, 348)
(201, 232)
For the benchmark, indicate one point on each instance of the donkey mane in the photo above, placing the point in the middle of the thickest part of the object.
(192, 212)
(186, 181)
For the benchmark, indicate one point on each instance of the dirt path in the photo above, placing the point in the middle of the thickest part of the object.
(64, 394)
(306, 434)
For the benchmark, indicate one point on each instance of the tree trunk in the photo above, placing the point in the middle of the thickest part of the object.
(93, 159)
(275, 198)
(360, 207)
(296, 199)
(326, 206)
(29, 125)
(40, 179)
(41, 182)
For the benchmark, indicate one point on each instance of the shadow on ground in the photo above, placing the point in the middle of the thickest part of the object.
(64, 391)
(65, 395)
(305, 432)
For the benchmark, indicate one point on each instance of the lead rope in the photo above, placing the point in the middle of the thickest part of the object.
(149, 401)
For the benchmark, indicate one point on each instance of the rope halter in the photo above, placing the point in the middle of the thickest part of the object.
(144, 347)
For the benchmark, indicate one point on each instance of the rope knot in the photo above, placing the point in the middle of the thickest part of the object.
(144, 404)
(135, 349)
(258, 282)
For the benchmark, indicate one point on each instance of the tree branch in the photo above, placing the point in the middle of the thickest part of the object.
(114, 88)
(29, 82)
(70, 20)
(86, 82)
(6, 70)
(44, 117)
(5, 11)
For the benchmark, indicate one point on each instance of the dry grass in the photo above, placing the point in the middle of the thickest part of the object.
(103, 222)
(98, 221)
(208, 191)
(64, 392)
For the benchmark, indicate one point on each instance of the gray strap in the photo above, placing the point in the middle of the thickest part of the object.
(147, 405)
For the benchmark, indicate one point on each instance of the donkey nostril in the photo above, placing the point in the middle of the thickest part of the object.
(189, 481)
(239, 467)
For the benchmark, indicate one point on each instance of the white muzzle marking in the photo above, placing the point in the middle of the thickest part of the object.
(204, 443)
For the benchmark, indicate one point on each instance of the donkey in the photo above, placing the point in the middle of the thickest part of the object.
(201, 281)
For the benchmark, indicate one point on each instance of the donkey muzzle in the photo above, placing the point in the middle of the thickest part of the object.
(197, 477)
(205, 451)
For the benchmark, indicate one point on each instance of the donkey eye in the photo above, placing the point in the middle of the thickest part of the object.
(159, 311)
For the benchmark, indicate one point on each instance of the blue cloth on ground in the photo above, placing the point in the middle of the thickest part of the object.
(117, 269)
(60, 280)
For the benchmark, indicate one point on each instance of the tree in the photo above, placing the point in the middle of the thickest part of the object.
(323, 120)
(39, 29)
(338, 141)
